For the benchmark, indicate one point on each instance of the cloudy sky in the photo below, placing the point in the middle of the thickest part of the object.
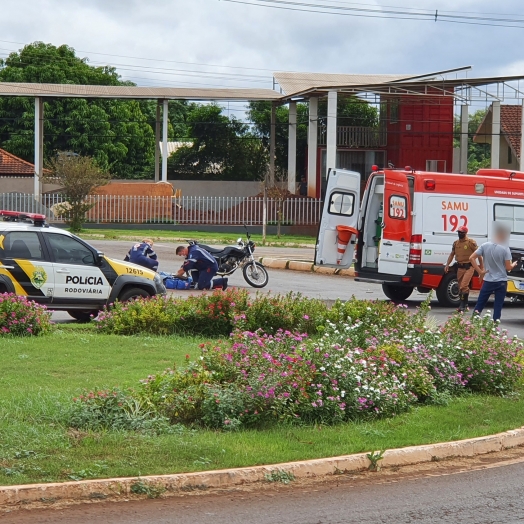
(182, 42)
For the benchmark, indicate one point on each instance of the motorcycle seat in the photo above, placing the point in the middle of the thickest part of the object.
(212, 250)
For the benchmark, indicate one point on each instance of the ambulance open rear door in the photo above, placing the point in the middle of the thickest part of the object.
(337, 234)
(397, 221)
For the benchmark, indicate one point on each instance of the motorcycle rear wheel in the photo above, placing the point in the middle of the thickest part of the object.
(255, 276)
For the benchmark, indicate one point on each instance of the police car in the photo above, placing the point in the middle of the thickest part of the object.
(55, 268)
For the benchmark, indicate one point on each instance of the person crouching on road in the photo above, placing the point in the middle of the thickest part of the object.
(497, 263)
(143, 255)
(201, 261)
(461, 251)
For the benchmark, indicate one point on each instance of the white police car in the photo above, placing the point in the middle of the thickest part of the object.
(55, 268)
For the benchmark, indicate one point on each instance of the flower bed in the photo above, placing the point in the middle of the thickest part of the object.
(371, 359)
(21, 317)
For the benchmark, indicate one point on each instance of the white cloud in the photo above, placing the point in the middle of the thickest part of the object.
(218, 32)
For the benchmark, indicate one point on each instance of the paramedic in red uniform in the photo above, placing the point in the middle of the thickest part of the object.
(461, 251)
(497, 258)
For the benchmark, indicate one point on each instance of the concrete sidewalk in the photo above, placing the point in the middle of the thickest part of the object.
(306, 266)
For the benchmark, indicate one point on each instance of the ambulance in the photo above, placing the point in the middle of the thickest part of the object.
(400, 231)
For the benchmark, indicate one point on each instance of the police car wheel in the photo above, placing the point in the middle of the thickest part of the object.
(397, 293)
(132, 294)
(448, 293)
(83, 315)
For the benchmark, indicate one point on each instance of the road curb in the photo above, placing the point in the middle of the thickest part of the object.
(184, 482)
(300, 265)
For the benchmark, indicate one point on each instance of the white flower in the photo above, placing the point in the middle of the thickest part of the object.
(342, 394)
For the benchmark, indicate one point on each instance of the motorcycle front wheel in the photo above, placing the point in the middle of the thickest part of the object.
(255, 274)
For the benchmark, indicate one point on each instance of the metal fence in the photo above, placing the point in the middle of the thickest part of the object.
(169, 210)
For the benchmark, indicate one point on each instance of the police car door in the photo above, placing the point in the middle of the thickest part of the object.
(25, 266)
(78, 278)
(394, 247)
(337, 232)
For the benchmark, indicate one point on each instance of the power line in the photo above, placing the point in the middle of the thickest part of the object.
(435, 16)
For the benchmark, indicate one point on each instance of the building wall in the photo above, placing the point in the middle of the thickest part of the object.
(21, 184)
(188, 187)
(420, 129)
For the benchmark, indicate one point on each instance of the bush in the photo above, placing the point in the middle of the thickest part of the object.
(376, 360)
(291, 312)
(489, 361)
(208, 314)
(22, 317)
(214, 314)
(115, 409)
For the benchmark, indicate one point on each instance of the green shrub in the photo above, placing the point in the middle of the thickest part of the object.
(210, 314)
(116, 409)
(291, 312)
(21, 317)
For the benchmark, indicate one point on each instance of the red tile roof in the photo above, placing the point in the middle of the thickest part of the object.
(12, 165)
(510, 125)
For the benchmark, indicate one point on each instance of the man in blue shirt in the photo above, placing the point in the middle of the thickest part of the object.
(497, 258)
(143, 255)
(204, 264)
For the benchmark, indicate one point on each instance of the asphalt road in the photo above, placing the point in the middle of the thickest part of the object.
(485, 496)
(326, 287)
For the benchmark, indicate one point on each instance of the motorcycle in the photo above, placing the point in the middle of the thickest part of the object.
(231, 258)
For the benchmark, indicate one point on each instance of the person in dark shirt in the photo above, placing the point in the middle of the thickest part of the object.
(143, 255)
(204, 264)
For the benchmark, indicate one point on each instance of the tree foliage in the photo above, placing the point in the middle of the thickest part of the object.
(222, 148)
(479, 154)
(114, 132)
(78, 176)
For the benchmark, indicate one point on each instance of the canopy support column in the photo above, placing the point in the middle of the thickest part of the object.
(157, 142)
(272, 145)
(331, 134)
(165, 120)
(495, 136)
(522, 139)
(464, 130)
(39, 146)
(292, 149)
(312, 147)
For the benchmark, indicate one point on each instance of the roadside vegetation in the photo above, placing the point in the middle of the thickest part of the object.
(204, 237)
(121, 397)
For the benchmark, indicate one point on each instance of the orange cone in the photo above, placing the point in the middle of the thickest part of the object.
(344, 234)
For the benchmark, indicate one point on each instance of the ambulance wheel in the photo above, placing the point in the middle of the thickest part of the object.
(397, 293)
(132, 294)
(448, 293)
(83, 315)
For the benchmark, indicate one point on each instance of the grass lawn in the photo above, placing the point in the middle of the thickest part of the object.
(39, 376)
(203, 236)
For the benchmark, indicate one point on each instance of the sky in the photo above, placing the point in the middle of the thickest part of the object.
(223, 43)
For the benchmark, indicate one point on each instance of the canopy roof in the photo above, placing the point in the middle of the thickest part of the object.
(134, 92)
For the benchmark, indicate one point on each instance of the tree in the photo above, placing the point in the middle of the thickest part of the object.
(222, 148)
(479, 154)
(114, 132)
(78, 176)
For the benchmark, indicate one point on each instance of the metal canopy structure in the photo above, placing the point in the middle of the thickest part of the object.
(135, 92)
(295, 87)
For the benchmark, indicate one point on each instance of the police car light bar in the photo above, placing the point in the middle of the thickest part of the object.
(18, 216)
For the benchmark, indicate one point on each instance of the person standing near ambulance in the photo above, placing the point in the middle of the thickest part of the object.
(498, 263)
(461, 251)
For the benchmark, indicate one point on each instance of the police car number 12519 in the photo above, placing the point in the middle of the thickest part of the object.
(134, 271)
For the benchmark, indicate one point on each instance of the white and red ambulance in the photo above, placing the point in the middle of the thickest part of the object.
(403, 230)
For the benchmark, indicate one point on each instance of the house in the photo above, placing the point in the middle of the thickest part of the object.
(16, 174)
(510, 134)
